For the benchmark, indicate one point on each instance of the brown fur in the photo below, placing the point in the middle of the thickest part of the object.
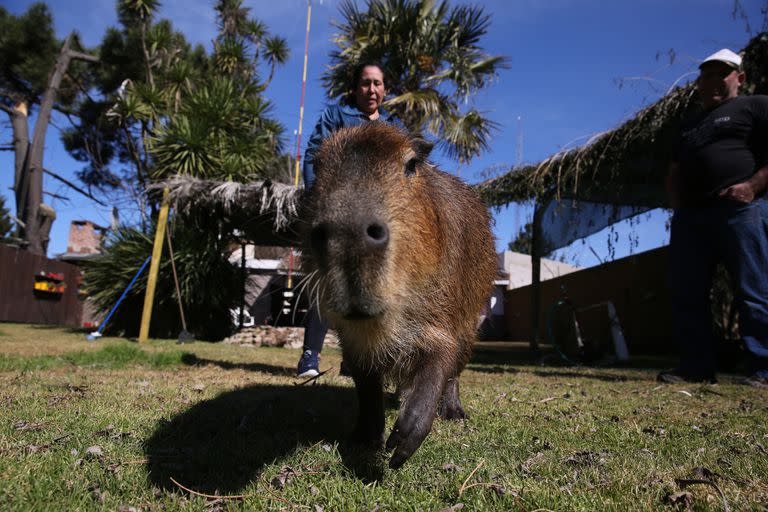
(405, 303)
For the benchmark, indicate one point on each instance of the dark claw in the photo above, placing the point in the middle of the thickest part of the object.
(407, 435)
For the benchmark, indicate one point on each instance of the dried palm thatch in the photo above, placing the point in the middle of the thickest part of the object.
(266, 211)
(625, 165)
(614, 165)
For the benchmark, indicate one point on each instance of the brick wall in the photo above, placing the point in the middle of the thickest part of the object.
(84, 237)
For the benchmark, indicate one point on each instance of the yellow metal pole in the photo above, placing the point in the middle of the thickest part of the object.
(157, 251)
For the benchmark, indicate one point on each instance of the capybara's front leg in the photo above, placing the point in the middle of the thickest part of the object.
(370, 418)
(416, 414)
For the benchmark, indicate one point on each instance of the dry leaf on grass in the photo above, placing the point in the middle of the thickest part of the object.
(35, 448)
(656, 431)
(96, 492)
(283, 478)
(28, 426)
(94, 452)
(681, 499)
(105, 431)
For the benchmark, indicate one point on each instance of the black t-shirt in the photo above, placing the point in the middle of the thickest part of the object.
(722, 147)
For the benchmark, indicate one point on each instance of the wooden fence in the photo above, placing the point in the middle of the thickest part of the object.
(37, 290)
(636, 285)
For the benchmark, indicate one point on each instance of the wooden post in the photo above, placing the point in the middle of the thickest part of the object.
(536, 254)
(535, 279)
(241, 318)
(157, 251)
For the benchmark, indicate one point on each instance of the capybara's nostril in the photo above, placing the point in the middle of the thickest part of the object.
(377, 234)
(318, 239)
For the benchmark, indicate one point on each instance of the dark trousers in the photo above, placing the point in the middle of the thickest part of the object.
(314, 330)
(736, 235)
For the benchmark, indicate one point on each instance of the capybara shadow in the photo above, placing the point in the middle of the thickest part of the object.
(193, 360)
(222, 444)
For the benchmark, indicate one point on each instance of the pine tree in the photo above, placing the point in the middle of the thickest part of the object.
(36, 72)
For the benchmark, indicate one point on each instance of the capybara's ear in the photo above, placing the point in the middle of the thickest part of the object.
(421, 146)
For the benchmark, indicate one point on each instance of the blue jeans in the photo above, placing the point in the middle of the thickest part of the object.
(315, 329)
(737, 236)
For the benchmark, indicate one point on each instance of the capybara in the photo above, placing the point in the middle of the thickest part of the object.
(401, 259)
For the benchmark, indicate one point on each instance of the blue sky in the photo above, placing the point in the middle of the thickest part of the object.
(567, 58)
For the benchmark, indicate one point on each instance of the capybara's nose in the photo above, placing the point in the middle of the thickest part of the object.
(376, 235)
(353, 236)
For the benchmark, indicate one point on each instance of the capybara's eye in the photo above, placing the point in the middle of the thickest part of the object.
(410, 167)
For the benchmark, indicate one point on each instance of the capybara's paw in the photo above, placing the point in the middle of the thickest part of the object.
(406, 437)
(451, 412)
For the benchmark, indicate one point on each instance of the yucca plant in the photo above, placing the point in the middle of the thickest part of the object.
(218, 133)
(433, 63)
(209, 284)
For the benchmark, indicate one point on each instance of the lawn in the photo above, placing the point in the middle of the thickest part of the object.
(114, 425)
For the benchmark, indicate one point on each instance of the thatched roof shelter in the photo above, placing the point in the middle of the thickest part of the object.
(620, 167)
(615, 175)
(265, 211)
(625, 165)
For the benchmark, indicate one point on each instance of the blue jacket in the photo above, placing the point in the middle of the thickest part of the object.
(334, 118)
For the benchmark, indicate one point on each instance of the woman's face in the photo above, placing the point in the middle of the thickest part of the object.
(369, 92)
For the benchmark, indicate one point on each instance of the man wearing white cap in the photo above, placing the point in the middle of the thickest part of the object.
(717, 187)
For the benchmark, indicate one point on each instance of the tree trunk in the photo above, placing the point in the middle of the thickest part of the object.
(38, 221)
(20, 126)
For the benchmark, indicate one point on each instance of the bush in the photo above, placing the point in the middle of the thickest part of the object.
(209, 284)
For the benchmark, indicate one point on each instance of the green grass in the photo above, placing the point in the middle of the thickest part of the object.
(232, 421)
(116, 354)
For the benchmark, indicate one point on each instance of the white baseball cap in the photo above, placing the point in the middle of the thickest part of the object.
(725, 56)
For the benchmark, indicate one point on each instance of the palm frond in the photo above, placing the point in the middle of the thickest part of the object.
(424, 47)
(466, 136)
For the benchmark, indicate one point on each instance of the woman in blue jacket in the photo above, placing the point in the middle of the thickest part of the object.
(362, 106)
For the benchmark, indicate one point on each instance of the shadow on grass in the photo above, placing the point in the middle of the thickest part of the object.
(607, 377)
(502, 354)
(491, 368)
(192, 360)
(224, 443)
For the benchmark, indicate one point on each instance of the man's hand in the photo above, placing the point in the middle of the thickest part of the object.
(740, 192)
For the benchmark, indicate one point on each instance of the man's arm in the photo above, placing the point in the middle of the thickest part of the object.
(746, 191)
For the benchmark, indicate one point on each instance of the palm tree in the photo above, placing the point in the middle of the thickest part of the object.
(432, 62)
(242, 42)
